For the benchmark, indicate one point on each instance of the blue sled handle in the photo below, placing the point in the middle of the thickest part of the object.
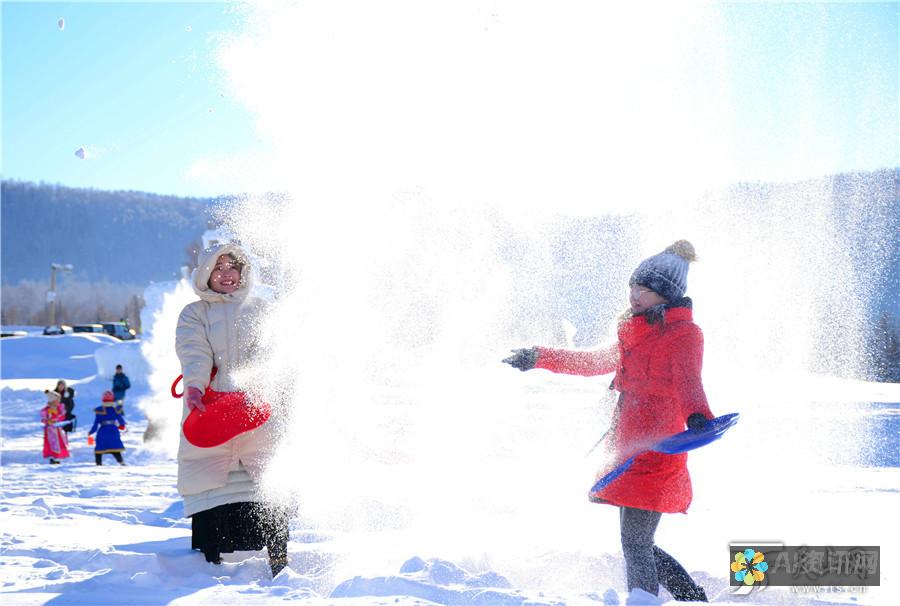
(676, 444)
(615, 473)
(691, 439)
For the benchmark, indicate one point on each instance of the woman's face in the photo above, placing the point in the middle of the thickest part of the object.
(226, 275)
(61, 386)
(642, 299)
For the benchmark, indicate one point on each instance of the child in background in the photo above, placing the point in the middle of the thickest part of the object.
(657, 362)
(68, 402)
(107, 425)
(120, 385)
(56, 445)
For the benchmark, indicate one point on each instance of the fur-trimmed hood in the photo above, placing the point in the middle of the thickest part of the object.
(205, 263)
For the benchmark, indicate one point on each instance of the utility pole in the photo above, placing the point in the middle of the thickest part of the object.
(51, 294)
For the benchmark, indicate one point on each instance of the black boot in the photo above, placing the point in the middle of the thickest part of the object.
(676, 579)
(695, 594)
(274, 523)
(277, 565)
(213, 557)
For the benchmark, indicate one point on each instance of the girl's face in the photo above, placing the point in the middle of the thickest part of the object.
(226, 275)
(61, 386)
(642, 299)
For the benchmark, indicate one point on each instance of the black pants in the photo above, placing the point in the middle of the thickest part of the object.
(646, 565)
(241, 527)
(98, 457)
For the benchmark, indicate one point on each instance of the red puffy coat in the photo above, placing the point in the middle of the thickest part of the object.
(657, 370)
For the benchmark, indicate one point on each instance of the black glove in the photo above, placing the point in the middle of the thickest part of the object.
(523, 359)
(696, 422)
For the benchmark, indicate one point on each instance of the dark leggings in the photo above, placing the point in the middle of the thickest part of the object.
(246, 526)
(98, 457)
(646, 565)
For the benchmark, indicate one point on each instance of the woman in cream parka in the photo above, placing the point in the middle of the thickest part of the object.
(220, 485)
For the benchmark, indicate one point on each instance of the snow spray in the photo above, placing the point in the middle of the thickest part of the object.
(447, 174)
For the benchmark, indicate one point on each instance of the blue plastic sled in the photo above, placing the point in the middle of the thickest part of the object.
(676, 444)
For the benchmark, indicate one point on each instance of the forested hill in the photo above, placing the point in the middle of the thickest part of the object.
(135, 237)
(115, 236)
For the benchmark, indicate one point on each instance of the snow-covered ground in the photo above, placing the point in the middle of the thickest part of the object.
(79, 534)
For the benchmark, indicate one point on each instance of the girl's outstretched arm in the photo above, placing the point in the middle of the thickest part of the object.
(573, 362)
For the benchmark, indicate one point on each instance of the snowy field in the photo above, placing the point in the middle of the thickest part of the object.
(79, 534)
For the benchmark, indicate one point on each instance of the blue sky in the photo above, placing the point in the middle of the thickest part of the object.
(812, 78)
(136, 84)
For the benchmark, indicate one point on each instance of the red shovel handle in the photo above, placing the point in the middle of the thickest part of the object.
(212, 376)
(174, 383)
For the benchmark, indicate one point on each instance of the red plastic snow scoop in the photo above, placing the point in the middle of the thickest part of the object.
(228, 414)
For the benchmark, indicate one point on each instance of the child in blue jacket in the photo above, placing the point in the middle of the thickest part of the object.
(121, 384)
(108, 422)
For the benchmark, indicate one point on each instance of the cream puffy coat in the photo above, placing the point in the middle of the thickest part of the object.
(223, 331)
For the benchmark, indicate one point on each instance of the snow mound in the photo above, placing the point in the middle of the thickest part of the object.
(129, 355)
(68, 357)
(441, 582)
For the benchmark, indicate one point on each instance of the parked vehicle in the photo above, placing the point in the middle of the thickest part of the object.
(88, 328)
(119, 330)
(55, 329)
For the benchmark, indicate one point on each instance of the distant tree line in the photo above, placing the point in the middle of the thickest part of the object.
(117, 241)
(77, 302)
(114, 236)
(121, 241)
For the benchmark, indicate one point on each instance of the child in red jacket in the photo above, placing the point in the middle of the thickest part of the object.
(657, 361)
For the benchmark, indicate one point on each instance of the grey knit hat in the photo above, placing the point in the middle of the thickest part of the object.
(666, 273)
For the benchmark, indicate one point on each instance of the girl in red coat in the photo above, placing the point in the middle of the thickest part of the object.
(657, 362)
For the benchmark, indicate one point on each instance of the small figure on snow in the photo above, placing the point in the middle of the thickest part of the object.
(56, 444)
(119, 386)
(67, 399)
(107, 425)
(657, 362)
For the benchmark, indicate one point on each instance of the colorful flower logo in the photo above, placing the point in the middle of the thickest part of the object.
(749, 566)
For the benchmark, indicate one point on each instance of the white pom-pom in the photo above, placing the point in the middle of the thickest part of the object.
(683, 249)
